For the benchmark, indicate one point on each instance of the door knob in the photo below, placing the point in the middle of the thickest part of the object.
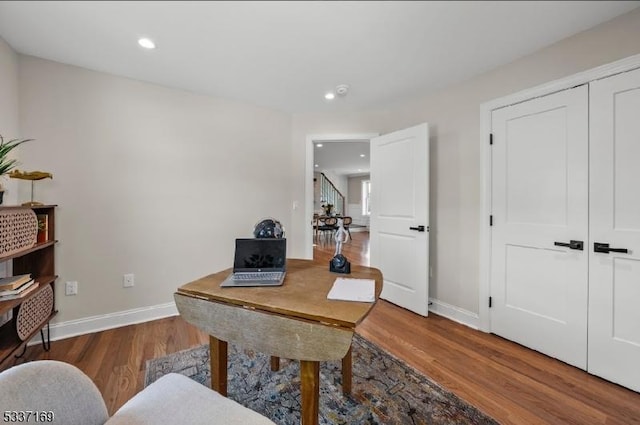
(579, 245)
(604, 248)
(419, 228)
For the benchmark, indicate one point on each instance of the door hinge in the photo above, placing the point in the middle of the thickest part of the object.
(490, 302)
(490, 220)
(491, 138)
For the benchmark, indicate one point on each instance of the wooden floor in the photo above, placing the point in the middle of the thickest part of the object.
(513, 384)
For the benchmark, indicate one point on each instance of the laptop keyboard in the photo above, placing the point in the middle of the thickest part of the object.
(275, 276)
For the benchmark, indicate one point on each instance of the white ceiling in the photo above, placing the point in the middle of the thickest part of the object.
(285, 55)
(342, 157)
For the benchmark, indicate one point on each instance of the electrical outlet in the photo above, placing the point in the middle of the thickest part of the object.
(71, 288)
(128, 280)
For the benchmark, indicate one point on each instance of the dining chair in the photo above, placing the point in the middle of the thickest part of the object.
(327, 225)
(346, 221)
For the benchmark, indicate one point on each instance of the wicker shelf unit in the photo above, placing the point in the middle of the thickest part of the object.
(38, 306)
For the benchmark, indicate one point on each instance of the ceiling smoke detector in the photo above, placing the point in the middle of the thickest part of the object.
(342, 90)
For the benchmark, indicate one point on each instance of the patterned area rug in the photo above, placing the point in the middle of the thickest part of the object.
(384, 391)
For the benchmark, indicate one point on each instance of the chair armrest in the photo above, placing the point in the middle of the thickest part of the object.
(176, 399)
(53, 386)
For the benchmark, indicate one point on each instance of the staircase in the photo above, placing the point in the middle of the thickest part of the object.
(329, 194)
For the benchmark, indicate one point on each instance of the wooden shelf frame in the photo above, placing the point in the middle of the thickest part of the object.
(39, 261)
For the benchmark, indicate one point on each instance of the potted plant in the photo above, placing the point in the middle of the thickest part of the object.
(7, 164)
(327, 209)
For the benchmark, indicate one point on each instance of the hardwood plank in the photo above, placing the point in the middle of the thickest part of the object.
(509, 382)
(356, 250)
(482, 368)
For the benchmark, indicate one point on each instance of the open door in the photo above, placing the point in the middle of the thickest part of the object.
(400, 216)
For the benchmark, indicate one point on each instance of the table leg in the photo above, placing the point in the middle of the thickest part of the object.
(275, 363)
(310, 391)
(346, 373)
(218, 350)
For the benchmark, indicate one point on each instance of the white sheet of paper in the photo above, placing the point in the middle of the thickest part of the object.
(346, 289)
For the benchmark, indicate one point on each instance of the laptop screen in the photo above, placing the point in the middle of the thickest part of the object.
(254, 255)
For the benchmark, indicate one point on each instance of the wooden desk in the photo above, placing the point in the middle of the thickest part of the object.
(293, 321)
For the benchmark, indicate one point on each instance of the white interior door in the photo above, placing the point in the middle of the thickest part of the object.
(399, 227)
(614, 283)
(539, 199)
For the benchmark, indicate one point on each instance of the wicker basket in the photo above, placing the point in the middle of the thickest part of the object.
(34, 312)
(18, 230)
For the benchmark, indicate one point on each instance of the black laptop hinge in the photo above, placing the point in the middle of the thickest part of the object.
(490, 302)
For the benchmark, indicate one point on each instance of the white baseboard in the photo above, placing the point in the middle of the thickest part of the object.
(454, 313)
(103, 322)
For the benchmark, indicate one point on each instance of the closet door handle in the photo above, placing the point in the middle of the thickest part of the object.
(579, 245)
(604, 248)
(419, 228)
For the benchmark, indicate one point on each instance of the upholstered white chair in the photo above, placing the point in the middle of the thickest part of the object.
(52, 386)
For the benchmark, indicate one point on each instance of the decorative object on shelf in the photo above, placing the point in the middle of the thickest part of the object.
(19, 292)
(43, 228)
(327, 208)
(7, 164)
(339, 263)
(268, 228)
(18, 230)
(12, 282)
(33, 176)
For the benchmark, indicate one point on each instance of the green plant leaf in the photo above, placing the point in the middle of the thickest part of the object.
(8, 164)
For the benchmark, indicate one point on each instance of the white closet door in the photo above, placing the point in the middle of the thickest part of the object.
(540, 198)
(614, 280)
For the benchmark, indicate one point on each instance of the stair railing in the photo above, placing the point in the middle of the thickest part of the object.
(329, 194)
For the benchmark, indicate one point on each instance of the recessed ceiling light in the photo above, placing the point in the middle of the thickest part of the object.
(362, 155)
(319, 145)
(330, 96)
(147, 43)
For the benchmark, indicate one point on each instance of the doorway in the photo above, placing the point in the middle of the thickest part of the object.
(399, 213)
(327, 140)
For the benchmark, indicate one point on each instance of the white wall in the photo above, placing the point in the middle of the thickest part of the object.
(149, 180)
(9, 111)
(158, 182)
(454, 118)
(355, 200)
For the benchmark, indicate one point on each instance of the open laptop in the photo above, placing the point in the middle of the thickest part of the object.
(258, 262)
